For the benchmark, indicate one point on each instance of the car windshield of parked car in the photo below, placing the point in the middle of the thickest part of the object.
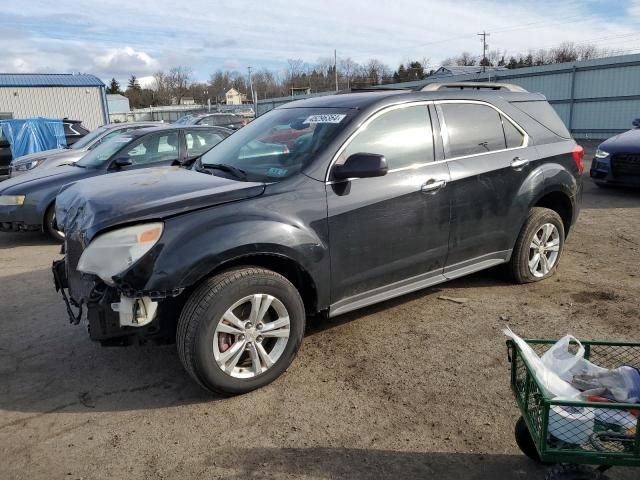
(103, 152)
(89, 138)
(278, 144)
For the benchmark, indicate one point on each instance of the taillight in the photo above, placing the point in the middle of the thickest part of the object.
(243, 122)
(578, 154)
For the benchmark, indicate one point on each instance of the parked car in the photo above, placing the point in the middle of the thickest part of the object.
(73, 131)
(227, 120)
(74, 152)
(390, 192)
(27, 202)
(617, 160)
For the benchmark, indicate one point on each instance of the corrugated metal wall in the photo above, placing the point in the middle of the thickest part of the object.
(595, 98)
(76, 103)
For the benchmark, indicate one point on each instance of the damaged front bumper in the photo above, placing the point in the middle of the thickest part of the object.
(113, 318)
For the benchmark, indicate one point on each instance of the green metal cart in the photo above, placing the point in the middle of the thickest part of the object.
(574, 434)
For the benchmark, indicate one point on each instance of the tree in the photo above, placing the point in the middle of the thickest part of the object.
(177, 81)
(114, 87)
(133, 83)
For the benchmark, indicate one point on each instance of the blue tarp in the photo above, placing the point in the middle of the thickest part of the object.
(31, 135)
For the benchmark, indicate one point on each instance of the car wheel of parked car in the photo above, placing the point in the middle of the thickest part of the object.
(50, 224)
(538, 248)
(240, 330)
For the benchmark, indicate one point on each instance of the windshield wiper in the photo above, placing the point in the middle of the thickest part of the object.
(236, 172)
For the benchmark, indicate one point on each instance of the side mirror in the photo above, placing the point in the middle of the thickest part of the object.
(636, 123)
(122, 162)
(361, 165)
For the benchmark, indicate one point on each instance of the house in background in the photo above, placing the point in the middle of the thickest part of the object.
(234, 97)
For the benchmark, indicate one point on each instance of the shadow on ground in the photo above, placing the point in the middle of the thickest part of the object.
(361, 464)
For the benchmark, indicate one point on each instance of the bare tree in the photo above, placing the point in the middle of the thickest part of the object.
(178, 80)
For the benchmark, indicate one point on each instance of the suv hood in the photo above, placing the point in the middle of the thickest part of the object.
(87, 207)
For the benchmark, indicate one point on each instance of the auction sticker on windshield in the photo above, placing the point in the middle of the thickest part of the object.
(325, 118)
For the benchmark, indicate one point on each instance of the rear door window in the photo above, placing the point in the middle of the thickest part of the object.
(472, 128)
(402, 135)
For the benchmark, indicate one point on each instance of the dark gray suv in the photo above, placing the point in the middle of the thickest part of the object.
(366, 197)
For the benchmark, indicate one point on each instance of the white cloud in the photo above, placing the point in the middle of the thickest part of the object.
(634, 8)
(125, 60)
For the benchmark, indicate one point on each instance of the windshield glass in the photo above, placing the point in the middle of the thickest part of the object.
(280, 143)
(103, 152)
(89, 138)
(184, 120)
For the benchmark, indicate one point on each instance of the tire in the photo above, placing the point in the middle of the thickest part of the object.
(202, 345)
(519, 268)
(525, 442)
(574, 472)
(50, 225)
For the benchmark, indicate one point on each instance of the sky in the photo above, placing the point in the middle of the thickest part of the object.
(118, 38)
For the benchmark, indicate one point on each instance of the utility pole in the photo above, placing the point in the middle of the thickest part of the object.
(484, 36)
(253, 95)
(335, 66)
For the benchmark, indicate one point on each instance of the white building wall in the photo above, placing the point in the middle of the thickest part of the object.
(75, 103)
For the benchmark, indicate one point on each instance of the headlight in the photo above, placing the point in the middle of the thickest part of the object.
(12, 199)
(113, 252)
(30, 165)
(601, 154)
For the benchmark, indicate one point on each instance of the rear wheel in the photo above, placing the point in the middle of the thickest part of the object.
(538, 248)
(50, 225)
(240, 330)
(525, 441)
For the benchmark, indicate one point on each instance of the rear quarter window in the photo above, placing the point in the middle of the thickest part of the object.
(545, 115)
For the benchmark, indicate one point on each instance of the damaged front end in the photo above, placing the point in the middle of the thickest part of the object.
(90, 278)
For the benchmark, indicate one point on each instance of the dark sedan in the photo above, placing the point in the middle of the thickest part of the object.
(28, 202)
(227, 120)
(617, 160)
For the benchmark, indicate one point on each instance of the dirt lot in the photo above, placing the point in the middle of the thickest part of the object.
(411, 388)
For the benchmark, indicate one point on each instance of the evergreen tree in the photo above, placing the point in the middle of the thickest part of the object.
(133, 83)
(114, 87)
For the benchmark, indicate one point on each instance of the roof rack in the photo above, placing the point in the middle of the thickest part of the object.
(508, 87)
(376, 89)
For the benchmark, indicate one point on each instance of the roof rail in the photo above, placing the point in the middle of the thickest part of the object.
(508, 87)
(375, 89)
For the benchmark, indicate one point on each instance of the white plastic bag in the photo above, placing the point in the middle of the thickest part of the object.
(555, 386)
(559, 358)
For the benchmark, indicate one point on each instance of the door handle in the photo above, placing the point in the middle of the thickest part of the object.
(519, 162)
(433, 186)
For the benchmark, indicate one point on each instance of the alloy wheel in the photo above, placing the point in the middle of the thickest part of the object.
(251, 336)
(544, 250)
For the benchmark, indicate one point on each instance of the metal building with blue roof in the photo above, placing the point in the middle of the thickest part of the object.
(75, 96)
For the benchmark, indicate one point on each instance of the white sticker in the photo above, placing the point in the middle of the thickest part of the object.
(325, 118)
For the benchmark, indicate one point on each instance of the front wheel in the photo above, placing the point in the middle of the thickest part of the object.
(50, 225)
(537, 251)
(240, 330)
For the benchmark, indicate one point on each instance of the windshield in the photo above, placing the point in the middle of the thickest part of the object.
(278, 144)
(89, 138)
(184, 120)
(103, 152)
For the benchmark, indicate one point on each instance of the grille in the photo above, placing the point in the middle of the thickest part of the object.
(626, 164)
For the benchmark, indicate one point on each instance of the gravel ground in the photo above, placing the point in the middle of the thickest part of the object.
(416, 387)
